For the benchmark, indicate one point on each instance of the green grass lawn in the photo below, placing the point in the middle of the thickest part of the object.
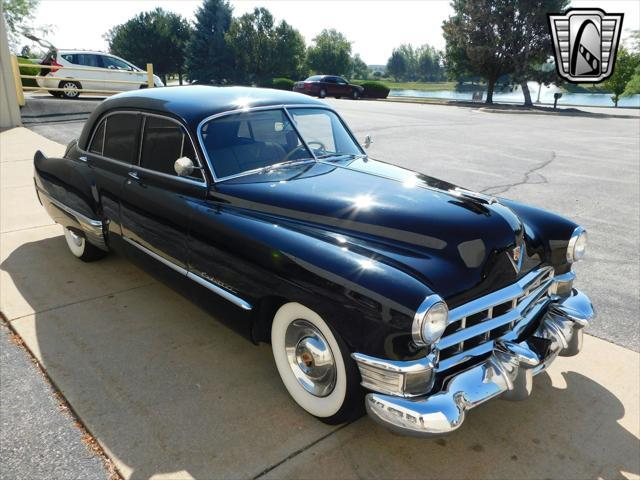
(424, 86)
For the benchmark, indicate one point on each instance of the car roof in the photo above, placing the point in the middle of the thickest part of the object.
(194, 103)
(91, 52)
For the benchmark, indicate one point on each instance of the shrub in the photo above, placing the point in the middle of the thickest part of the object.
(28, 82)
(282, 83)
(373, 89)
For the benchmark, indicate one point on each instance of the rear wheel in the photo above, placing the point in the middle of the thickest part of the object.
(71, 89)
(355, 94)
(315, 366)
(80, 248)
(323, 93)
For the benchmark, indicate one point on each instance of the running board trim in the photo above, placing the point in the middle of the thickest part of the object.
(227, 295)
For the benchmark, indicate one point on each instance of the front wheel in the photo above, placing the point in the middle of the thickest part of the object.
(80, 248)
(315, 366)
(355, 95)
(323, 93)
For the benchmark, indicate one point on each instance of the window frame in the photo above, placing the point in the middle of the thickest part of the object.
(283, 107)
(136, 163)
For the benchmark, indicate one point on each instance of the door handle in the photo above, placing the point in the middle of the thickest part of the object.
(135, 175)
(83, 158)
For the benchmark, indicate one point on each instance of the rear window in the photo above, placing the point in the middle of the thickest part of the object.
(315, 78)
(163, 143)
(121, 137)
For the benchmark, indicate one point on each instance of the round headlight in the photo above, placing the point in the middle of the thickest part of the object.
(430, 321)
(577, 245)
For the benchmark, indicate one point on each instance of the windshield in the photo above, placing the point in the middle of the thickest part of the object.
(266, 139)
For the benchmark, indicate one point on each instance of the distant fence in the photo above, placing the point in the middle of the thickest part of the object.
(20, 89)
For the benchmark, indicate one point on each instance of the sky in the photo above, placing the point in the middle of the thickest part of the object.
(375, 27)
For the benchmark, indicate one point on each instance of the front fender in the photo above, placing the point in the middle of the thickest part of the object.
(546, 231)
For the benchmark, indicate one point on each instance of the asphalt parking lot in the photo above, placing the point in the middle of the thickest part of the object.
(171, 393)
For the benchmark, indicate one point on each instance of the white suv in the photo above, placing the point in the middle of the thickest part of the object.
(99, 71)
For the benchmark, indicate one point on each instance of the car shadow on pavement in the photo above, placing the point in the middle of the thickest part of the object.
(167, 389)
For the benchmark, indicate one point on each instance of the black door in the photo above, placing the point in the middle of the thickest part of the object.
(111, 153)
(157, 204)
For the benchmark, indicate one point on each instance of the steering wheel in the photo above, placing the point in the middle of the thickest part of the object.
(302, 147)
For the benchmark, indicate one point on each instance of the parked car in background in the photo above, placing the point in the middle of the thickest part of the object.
(328, 86)
(366, 278)
(99, 71)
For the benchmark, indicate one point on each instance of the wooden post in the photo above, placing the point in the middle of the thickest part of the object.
(150, 75)
(18, 80)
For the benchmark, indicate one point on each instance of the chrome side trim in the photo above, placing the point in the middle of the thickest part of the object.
(227, 295)
(171, 265)
(192, 276)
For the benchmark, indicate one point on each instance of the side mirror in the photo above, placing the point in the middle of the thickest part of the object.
(367, 141)
(184, 166)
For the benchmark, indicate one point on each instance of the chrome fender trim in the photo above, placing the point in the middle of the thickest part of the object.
(508, 372)
(93, 229)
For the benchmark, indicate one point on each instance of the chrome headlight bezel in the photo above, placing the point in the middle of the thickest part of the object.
(577, 245)
(424, 331)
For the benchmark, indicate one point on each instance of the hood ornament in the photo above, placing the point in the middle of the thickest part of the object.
(516, 256)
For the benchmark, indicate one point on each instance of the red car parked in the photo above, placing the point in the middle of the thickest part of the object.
(328, 85)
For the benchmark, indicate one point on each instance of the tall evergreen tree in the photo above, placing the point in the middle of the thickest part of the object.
(209, 58)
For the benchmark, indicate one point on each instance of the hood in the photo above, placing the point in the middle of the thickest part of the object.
(452, 239)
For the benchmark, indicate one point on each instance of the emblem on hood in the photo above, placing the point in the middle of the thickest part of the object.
(516, 255)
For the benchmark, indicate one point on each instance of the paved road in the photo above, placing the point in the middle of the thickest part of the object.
(584, 168)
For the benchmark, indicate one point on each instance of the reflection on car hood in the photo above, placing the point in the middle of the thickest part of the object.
(451, 238)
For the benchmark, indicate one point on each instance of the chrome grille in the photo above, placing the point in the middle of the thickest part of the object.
(473, 326)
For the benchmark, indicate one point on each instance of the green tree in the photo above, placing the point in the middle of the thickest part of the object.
(157, 37)
(251, 39)
(289, 52)
(429, 64)
(623, 71)
(492, 38)
(633, 86)
(208, 57)
(18, 15)
(359, 69)
(330, 53)
(397, 65)
(544, 74)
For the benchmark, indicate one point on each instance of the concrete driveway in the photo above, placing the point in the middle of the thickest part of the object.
(171, 393)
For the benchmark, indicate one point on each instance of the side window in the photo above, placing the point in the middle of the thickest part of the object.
(121, 137)
(114, 63)
(86, 59)
(163, 143)
(98, 139)
(68, 57)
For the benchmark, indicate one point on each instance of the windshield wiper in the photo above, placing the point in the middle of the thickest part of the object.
(350, 155)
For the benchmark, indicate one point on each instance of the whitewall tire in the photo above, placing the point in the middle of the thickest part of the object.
(80, 248)
(314, 364)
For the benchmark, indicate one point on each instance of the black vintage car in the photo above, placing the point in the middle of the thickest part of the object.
(375, 285)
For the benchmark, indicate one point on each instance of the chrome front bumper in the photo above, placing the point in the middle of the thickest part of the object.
(508, 372)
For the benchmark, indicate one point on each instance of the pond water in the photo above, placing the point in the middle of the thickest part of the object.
(515, 96)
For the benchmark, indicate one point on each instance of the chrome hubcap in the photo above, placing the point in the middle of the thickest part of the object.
(310, 358)
(75, 238)
(71, 89)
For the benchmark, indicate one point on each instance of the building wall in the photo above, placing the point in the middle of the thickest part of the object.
(9, 110)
